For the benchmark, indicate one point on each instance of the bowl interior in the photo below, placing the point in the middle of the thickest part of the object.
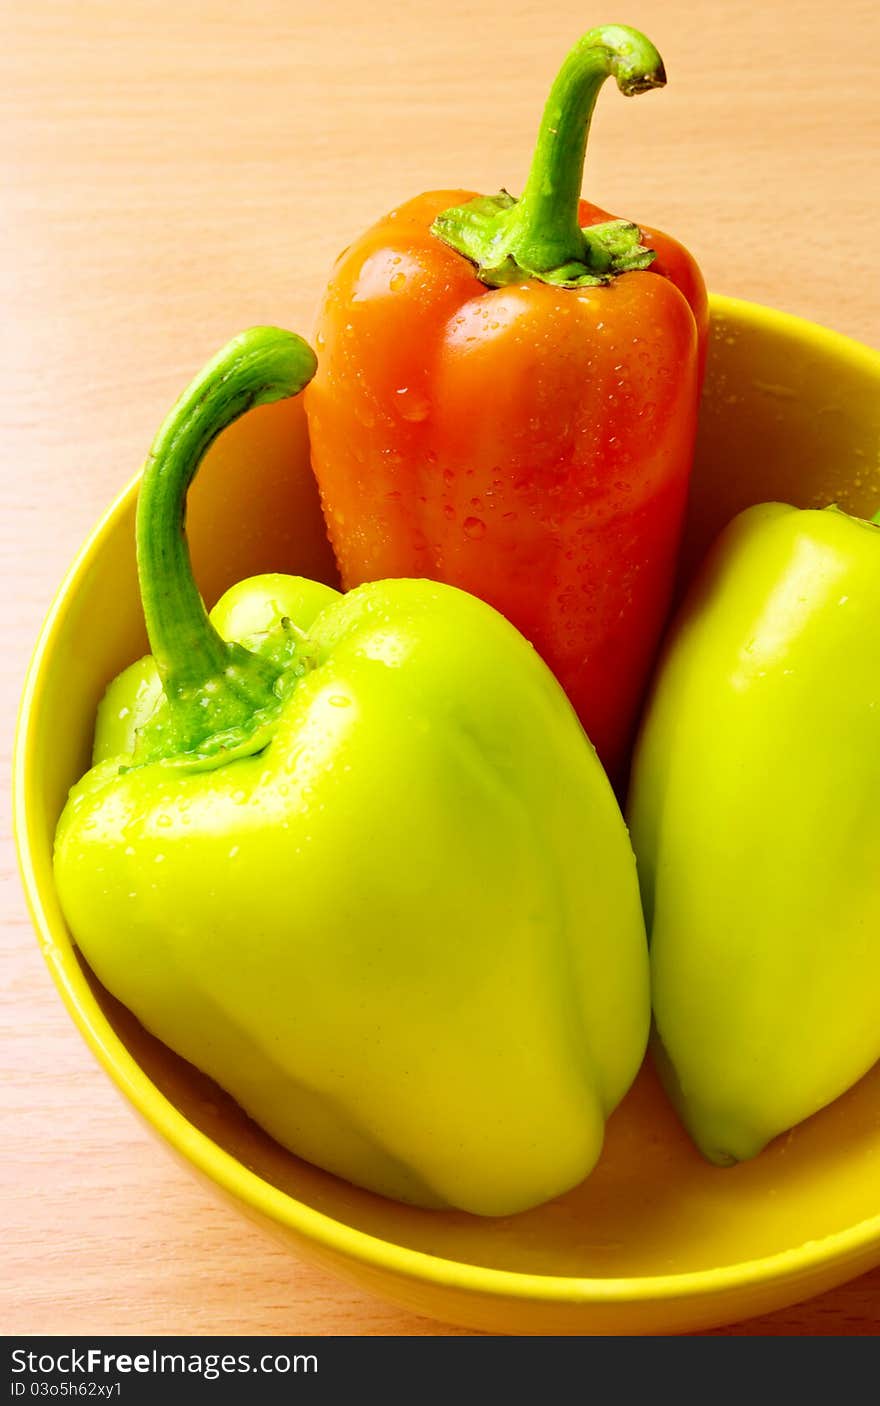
(789, 412)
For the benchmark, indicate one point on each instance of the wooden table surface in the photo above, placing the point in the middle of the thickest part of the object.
(173, 173)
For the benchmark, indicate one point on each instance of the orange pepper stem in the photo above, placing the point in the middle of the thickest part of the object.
(539, 235)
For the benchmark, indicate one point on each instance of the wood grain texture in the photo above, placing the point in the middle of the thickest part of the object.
(173, 173)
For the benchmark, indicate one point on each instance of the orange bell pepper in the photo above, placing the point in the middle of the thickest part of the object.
(506, 400)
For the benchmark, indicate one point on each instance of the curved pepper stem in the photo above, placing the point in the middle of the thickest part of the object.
(539, 235)
(213, 689)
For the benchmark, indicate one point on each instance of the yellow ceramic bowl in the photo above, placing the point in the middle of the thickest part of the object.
(656, 1240)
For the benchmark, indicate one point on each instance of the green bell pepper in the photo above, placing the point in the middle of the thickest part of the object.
(364, 869)
(753, 812)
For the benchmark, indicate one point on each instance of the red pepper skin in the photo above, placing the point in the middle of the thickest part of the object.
(531, 444)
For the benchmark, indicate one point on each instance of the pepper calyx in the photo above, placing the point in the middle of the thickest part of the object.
(483, 232)
(168, 736)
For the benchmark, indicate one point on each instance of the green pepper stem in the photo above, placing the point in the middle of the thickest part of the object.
(539, 235)
(210, 684)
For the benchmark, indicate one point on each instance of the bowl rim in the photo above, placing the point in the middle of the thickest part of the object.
(260, 1196)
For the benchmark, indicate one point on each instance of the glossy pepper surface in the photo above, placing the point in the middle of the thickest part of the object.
(506, 400)
(359, 863)
(753, 811)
